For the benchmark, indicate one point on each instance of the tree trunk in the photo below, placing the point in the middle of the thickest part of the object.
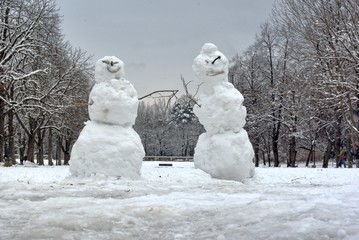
(338, 139)
(66, 151)
(327, 154)
(22, 147)
(40, 146)
(264, 158)
(186, 142)
(4, 36)
(31, 147)
(349, 152)
(292, 152)
(309, 155)
(58, 150)
(11, 131)
(49, 152)
(269, 156)
(2, 121)
(275, 150)
(256, 153)
(11, 136)
(40, 155)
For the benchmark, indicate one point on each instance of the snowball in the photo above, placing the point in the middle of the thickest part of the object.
(209, 48)
(109, 150)
(210, 66)
(113, 102)
(222, 110)
(108, 68)
(225, 156)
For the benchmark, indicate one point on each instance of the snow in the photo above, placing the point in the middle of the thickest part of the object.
(225, 155)
(113, 102)
(210, 74)
(224, 151)
(108, 145)
(221, 110)
(109, 67)
(179, 202)
(110, 150)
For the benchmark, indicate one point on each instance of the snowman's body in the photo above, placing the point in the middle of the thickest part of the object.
(224, 151)
(108, 145)
(113, 102)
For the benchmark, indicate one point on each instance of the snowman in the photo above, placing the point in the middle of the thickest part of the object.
(108, 145)
(224, 150)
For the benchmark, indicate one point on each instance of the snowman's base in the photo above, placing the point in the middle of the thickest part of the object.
(107, 150)
(225, 155)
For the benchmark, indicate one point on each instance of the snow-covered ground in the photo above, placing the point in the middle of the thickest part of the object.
(179, 202)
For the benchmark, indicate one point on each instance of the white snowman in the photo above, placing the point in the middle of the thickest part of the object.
(224, 151)
(113, 99)
(108, 145)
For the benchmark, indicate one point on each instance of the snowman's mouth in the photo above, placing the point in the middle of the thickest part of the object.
(113, 69)
(214, 73)
(111, 66)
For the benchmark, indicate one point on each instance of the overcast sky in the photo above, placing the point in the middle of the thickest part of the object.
(158, 39)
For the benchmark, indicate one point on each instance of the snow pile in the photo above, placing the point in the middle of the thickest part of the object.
(224, 151)
(108, 145)
(179, 202)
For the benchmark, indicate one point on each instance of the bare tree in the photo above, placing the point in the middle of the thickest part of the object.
(41, 75)
(326, 33)
(19, 23)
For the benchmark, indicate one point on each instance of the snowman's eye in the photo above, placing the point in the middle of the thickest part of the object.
(219, 57)
(207, 61)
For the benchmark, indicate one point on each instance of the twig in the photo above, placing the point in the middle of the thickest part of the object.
(185, 86)
(174, 92)
(219, 57)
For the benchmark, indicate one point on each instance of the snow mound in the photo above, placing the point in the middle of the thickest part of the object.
(109, 150)
(179, 202)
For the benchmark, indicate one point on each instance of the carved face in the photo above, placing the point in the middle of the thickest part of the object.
(112, 66)
(210, 63)
(108, 68)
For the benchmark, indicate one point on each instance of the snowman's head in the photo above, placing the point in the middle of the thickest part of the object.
(210, 64)
(108, 68)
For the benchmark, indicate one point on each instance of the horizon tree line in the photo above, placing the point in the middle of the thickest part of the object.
(299, 79)
(43, 82)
